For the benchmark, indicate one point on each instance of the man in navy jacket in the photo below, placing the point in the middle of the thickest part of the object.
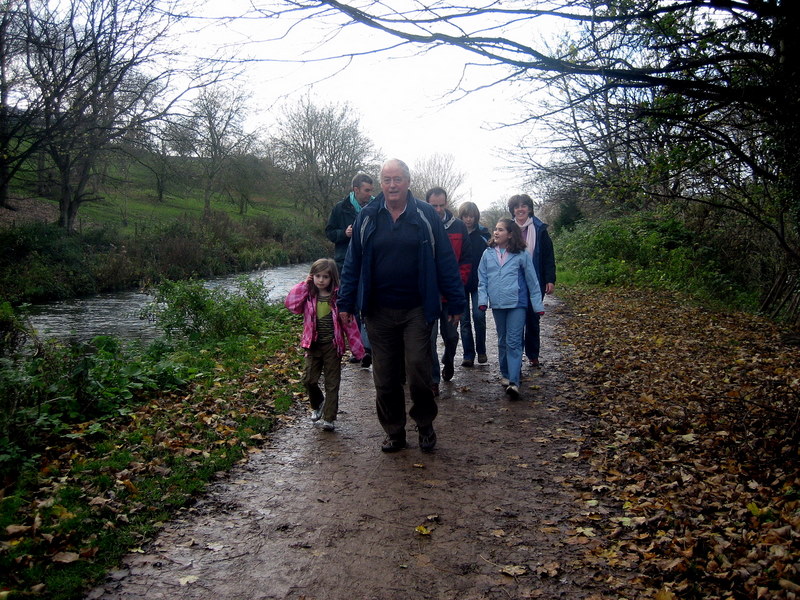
(398, 267)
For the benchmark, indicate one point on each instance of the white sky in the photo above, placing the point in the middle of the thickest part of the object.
(401, 99)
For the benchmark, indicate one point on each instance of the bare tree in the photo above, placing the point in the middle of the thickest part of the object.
(437, 170)
(214, 135)
(97, 70)
(323, 148)
(723, 78)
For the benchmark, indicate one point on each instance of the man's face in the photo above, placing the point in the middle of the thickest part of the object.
(394, 183)
(363, 193)
(438, 202)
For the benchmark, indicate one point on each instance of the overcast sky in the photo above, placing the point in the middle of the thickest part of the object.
(401, 98)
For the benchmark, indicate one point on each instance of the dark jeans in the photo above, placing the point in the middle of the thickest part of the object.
(531, 333)
(401, 337)
(450, 336)
(468, 343)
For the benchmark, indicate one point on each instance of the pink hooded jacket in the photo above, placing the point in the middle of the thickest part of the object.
(300, 301)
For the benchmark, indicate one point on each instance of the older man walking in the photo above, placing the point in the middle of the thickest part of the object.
(398, 267)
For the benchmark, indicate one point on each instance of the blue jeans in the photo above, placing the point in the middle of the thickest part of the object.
(479, 318)
(450, 337)
(510, 323)
(401, 349)
(532, 342)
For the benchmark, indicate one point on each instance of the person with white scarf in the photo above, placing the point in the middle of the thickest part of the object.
(540, 246)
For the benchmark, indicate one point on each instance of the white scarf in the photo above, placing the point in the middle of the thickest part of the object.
(529, 234)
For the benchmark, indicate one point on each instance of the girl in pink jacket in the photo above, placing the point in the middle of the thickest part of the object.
(323, 338)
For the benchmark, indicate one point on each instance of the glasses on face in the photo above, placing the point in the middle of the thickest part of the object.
(392, 180)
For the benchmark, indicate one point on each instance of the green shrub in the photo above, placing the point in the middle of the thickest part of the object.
(190, 310)
(649, 250)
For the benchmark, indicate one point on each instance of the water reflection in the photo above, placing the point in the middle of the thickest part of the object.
(118, 313)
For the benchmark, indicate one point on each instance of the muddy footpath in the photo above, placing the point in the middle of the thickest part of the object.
(327, 516)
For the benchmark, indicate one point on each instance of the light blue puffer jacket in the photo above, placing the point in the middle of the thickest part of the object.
(509, 285)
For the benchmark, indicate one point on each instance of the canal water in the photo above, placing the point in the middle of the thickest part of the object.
(118, 313)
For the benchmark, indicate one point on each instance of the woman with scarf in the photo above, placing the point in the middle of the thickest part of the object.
(540, 246)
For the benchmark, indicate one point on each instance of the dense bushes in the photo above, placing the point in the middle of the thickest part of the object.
(41, 262)
(652, 251)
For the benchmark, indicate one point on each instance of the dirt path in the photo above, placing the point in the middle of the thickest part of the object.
(329, 516)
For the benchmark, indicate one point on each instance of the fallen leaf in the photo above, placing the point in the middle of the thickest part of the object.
(66, 557)
(188, 579)
(513, 570)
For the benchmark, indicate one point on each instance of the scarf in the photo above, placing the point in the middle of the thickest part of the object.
(355, 203)
(529, 235)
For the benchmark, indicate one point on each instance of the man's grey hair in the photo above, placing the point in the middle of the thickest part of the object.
(403, 166)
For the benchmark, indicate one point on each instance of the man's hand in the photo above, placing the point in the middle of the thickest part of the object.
(549, 287)
(349, 231)
(454, 319)
(346, 317)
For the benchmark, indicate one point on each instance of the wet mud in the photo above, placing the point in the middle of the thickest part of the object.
(321, 515)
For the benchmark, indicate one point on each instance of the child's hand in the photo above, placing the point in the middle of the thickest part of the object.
(540, 314)
(482, 308)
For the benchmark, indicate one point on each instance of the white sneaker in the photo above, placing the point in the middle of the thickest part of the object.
(316, 415)
(504, 382)
(326, 425)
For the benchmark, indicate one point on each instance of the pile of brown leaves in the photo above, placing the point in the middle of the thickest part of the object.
(694, 420)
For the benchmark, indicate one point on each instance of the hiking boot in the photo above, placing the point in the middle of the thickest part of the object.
(447, 372)
(366, 361)
(435, 389)
(427, 437)
(326, 425)
(316, 414)
(483, 359)
(535, 363)
(513, 391)
(468, 363)
(393, 444)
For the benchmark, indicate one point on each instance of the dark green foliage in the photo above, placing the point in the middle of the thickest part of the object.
(655, 251)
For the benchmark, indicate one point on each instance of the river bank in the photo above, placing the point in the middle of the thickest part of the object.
(41, 262)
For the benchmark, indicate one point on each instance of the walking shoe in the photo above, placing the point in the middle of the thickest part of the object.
(535, 363)
(468, 363)
(513, 391)
(427, 437)
(447, 372)
(326, 425)
(483, 359)
(504, 382)
(353, 360)
(366, 361)
(435, 389)
(393, 444)
(316, 414)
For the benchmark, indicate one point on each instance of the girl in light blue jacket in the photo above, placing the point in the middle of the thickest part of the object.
(506, 280)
